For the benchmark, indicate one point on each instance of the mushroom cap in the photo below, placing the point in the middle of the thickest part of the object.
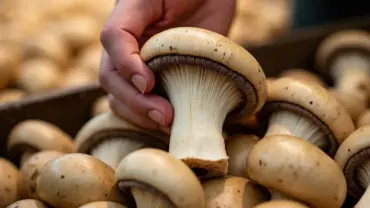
(159, 167)
(30, 171)
(233, 192)
(9, 176)
(39, 75)
(75, 179)
(354, 104)
(304, 74)
(314, 99)
(11, 95)
(298, 169)
(363, 119)
(351, 154)
(108, 125)
(9, 61)
(77, 77)
(103, 204)
(281, 204)
(28, 203)
(238, 148)
(197, 42)
(334, 44)
(38, 135)
(89, 59)
(101, 105)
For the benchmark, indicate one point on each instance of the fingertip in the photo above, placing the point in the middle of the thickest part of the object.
(164, 107)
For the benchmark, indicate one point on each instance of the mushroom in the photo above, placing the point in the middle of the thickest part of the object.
(281, 204)
(353, 158)
(238, 148)
(355, 104)
(345, 56)
(297, 169)
(30, 171)
(9, 61)
(306, 110)
(76, 78)
(363, 119)
(206, 77)
(304, 74)
(47, 45)
(8, 182)
(28, 203)
(75, 179)
(103, 204)
(101, 105)
(164, 182)
(31, 136)
(39, 75)
(89, 59)
(233, 192)
(11, 95)
(111, 138)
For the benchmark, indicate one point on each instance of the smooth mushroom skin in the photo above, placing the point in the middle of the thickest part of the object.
(101, 105)
(111, 138)
(345, 56)
(11, 95)
(30, 171)
(28, 203)
(303, 74)
(306, 110)
(31, 136)
(363, 119)
(103, 204)
(233, 192)
(353, 158)
(157, 179)
(9, 177)
(75, 179)
(76, 78)
(355, 104)
(238, 148)
(297, 169)
(281, 204)
(227, 79)
(39, 75)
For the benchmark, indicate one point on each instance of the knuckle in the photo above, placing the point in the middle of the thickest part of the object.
(107, 33)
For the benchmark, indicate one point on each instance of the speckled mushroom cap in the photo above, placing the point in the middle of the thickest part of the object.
(214, 51)
(233, 192)
(9, 176)
(30, 171)
(163, 174)
(354, 105)
(38, 135)
(298, 169)
(313, 101)
(304, 74)
(103, 204)
(108, 125)
(10, 95)
(75, 179)
(28, 203)
(238, 148)
(101, 105)
(334, 44)
(281, 204)
(352, 153)
(363, 119)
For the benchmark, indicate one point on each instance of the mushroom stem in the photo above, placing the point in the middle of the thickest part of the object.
(363, 175)
(147, 199)
(114, 150)
(290, 123)
(26, 155)
(202, 99)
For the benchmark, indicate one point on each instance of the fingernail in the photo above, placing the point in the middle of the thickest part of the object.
(156, 116)
(139, 82)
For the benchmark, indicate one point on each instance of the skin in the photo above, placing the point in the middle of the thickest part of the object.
(123, 35)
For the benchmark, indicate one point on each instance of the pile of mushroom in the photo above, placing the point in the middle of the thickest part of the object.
(309, 154)
(49, 45)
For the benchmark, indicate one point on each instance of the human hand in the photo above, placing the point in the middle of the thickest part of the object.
(125, 76)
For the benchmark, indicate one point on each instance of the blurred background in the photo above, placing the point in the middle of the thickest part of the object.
(48, 45)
